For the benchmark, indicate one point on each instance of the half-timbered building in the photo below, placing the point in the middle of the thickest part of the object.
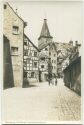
(30, 60)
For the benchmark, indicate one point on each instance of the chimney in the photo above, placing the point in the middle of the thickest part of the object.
(45, 19)
(76, 43)
(71, 42)
(16, 10)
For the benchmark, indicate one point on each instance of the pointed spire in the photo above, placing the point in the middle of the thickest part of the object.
(45, 31)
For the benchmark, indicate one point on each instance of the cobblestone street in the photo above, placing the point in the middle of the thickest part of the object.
(41, 103)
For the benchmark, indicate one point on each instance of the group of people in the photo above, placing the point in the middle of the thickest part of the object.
(53, 81)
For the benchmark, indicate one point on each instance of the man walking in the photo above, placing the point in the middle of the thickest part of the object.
(55, 81)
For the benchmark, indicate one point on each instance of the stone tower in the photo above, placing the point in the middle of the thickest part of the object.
(45, 37)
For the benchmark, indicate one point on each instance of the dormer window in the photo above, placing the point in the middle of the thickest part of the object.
(15, 30)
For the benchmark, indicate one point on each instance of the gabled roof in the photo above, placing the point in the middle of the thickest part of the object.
(14, 11)
(44, 46)
(50, 44)
(43, 55)
(53, 44)
(45, 31)
(31, 42)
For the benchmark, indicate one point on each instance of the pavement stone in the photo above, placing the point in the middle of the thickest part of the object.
(40, 104)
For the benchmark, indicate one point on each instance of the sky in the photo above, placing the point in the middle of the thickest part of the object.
(64, 19)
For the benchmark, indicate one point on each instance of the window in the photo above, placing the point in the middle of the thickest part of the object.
(42, 66)
(25, 74)
(15, 30)
(54, 55)
(5, 6)
(25, 53)
(46, 49)
(25, 62)
(35, 54)
(28, 61)
(54, 61)
(32, 74)
(35, 64)
(14, 50)
(43, 58)
(25, 43)
(49, 53)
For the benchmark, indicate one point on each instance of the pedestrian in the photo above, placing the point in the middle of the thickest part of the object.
(55, 81)
(49, 82)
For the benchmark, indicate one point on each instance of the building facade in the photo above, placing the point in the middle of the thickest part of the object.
(64, 50)
(13, 29)
(72, 75)
(72, 72)
(31, 62)
(8, 78)
(47, 53)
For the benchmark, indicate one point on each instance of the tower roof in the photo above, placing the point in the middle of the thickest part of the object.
(45, 31)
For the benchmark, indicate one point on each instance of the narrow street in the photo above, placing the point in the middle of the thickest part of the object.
(41, 103)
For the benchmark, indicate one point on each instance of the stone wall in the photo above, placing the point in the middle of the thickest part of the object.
(72, 76)
(15, 40)
(8, 69)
